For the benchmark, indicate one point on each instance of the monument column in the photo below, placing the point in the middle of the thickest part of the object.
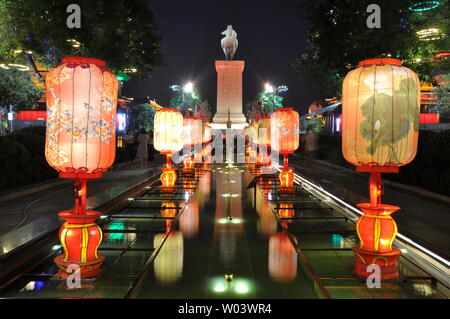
(229, 95)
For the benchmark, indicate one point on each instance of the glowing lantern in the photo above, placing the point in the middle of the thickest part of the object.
(81, 96)
(285, 139)
(189, 126)
(168, 122)
(207, 134)
(263, 157)
(379, 133)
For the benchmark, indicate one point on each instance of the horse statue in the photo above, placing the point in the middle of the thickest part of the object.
(229, 42)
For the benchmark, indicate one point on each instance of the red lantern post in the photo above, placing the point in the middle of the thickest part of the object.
(381, 104)
(285, 140)
(81, 96)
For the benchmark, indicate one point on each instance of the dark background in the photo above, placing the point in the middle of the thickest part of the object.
(271, 36)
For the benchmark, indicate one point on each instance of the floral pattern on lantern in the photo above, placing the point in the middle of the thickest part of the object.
(381, 106)
(284, 129)
(81, 96)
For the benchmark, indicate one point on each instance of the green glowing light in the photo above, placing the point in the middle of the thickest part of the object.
(122, 77)
(424, 6)
(241, 288)
(219, 288)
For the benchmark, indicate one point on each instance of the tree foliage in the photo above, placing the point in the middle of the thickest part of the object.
(142, 117)
(17, 89)
(185, 102)
(121, 32)
(442, 92)
(339, 38)
(269, 101)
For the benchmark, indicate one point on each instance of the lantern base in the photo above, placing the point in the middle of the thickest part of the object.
(386, 261)
(74, 221)
(87, 270)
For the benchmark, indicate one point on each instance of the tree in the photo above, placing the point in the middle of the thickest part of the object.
(254, 111)
(339, 38)
(269, 101)
(204, 112)
(142, 116)
(442, 93)
(17, 89)
(185, 102)
(121, 32)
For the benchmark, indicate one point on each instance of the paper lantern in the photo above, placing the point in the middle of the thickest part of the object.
(381, 106)
(81, 111)
(285, 139)
(207, 133)
(168, 124)
(284, 129)
(198, 131)
(189, 126)
(264, 131)
(81, 96)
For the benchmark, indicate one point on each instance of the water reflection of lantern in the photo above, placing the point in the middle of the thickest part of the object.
(286, 210)
(263, 157)
(189, 219)
(285, 140)
(168, 210)
(168, 264)
(168, 124)
(267, 221)
(81, 96)
(282, 258)
(379, 134)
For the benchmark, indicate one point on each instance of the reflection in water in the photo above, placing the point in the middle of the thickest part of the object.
(119, 236)
(282, 258)
(168, 264)
(267, 221)
(228, 208)
(33, 285)
(189, 219)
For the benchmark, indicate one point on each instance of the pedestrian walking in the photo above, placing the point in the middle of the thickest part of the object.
(142, 150)
(128, 141)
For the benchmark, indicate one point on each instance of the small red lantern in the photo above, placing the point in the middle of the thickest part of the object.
(381, 105)
(81, 95)
(285, 139)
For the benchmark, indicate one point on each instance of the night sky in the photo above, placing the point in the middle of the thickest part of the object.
(271, 36)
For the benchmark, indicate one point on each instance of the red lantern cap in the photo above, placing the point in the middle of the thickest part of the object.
(380, 61)
(80, 59)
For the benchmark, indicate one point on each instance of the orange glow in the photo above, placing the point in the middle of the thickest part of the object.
(286, 178)
(81, 96)
(168, 124)
(168, 177)
(282, 258)
(285, 133)
(381, 104)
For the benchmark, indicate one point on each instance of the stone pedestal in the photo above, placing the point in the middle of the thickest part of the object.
(229, 95)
